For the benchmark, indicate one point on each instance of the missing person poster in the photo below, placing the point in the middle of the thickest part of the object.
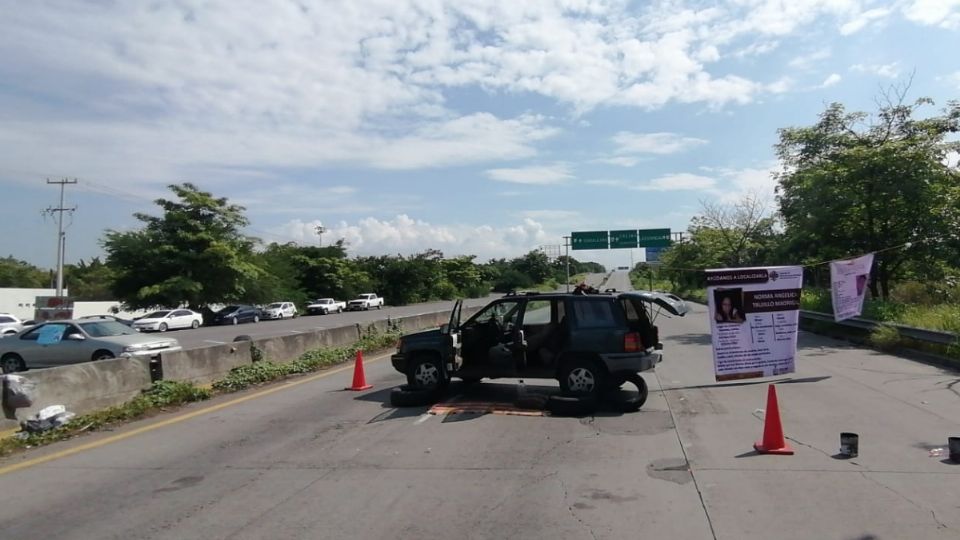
(754, 315)
(849, 280)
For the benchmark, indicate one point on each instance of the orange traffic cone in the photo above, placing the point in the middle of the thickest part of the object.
(359, 379)
(773, 441)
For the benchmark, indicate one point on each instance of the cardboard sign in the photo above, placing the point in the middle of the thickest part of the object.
(848, 286)
(50, 334)
(754, 316)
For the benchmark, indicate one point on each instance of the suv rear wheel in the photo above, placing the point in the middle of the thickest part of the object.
(426, 373)
(582, 377)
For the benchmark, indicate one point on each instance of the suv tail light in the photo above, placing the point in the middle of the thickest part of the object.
(631, 342)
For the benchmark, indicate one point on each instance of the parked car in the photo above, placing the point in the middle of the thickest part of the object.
(69, 342)
(364, 302)
(237, 315)
(114, 318)
(325, 306)
(10, 325)
(171, 319)
(590, 343)
(280, 310)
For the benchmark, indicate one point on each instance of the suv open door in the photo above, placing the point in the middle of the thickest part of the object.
(452, 331)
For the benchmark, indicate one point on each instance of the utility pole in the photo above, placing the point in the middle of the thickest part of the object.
(566, 245)
(61, 236)
(320, 229)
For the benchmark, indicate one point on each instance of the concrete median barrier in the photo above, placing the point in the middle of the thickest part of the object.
(95, 385)
(207, 364)
(83, 387)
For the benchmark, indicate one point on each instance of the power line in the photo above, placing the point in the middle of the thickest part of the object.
(61, 237)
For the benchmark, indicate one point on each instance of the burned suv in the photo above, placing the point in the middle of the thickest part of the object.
(590, 343)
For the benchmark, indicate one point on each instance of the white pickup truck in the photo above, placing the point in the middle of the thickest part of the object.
(325, 306)
(365, 302)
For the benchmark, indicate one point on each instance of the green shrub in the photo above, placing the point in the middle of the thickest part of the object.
(885, 337)
(914, 293)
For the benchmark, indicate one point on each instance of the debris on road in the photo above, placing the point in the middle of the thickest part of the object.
(47, 418)
(17, 391)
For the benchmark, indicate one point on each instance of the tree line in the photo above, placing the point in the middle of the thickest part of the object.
(194, 253)
(851, 183)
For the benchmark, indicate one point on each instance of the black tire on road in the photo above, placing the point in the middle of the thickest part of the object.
(405, 396)
(582, 376)
(196, 324)
(339, 310)
(425, 372)
(242, 337)
(572, 405)
(102, 355)
(256, 319)
(234, 321)
(379, 306)
(11, 363)
(633, 402)
(163, 327)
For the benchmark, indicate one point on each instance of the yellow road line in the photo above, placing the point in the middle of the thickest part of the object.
(176, 419)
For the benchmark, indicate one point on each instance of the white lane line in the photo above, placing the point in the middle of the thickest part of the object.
(423, 418)
(215, 342)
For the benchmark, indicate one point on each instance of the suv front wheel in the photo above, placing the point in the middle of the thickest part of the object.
(581, 377)
(426, 373)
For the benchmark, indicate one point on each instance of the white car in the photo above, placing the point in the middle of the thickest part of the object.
(161, 321)
(280, 310)
(9, 325)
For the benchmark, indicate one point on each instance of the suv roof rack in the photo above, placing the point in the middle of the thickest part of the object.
(523, 293)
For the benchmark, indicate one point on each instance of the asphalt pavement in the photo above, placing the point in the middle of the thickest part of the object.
(215, 335)
(304, 459)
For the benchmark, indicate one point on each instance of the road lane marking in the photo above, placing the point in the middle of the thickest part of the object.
(217, 342)
(423, 418)
(176, 419)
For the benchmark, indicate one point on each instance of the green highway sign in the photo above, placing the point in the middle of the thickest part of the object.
(654, 237)
(589, 240)
(623, 239)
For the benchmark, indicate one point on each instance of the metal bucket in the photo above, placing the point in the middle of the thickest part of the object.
(953, 446)
(849, 444)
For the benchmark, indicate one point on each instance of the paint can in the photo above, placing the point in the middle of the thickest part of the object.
(849, 444)
(953, 445)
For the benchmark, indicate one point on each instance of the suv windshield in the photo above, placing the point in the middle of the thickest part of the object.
(106, 329)
(156, 315)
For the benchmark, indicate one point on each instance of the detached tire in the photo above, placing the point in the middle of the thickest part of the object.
(407, 396)
(571, 405)
(633, 402)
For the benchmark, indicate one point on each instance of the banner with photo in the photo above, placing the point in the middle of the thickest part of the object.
(754, 317)
(848, 286)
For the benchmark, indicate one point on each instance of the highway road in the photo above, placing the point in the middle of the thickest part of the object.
(215, 335)
(306, 460)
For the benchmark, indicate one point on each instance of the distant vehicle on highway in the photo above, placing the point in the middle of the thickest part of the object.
(623, 268)
(70, 342)
(325, 306)
(171, 319)
(364, 302)
(280, 310)
(114, 318)
(237, 314)
(9, 325)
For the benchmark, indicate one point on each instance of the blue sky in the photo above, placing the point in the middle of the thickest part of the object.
(482, 127)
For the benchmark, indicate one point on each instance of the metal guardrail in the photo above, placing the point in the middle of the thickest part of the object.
(919, 334)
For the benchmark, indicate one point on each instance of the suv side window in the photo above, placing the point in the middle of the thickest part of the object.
(594, 313)
(537, 313)
(501, 312)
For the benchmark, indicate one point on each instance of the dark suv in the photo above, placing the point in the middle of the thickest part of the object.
(590, 343)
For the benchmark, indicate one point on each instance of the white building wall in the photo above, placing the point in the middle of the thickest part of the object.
(20, 302)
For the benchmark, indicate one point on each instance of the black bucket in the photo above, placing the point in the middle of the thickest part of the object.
(953, 446)
(849, 444)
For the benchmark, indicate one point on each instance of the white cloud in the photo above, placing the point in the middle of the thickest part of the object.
(620, 161)
(535, 174)
(737, 183)
(943, 13)
(406, 235)
(654, 143)
(833, 79)
(891, 70)
(810, 60)
(677, 182)
(863, 19)
(954, 79)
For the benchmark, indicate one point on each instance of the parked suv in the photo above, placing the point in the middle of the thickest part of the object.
(590, 343)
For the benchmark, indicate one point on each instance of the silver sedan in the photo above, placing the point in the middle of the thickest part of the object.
(69, 342)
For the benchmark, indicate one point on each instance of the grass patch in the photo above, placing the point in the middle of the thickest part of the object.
(163, 394)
